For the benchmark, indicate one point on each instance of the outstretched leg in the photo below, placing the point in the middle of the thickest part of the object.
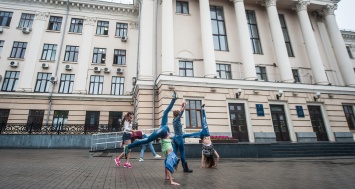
(204, 132)
(164, 120)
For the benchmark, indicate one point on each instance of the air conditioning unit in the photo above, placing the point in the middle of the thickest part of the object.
(13, 64)
(97, 69)
(68, 67)
(53, 79)
(107, 70)
(124, 38)
(1, 30)
(120, 70)
(26, 30)
(45, 65)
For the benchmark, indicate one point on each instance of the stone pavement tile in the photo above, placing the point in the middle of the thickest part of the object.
(65, 168)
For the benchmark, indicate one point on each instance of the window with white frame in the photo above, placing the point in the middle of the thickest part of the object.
(253, 32)
(296, 76)
(99, 56)
(182, 7)
(261, 73)
(66, 83)
(60, 119)
(71, 53)
(121, 29)
(186, 68)
(119, 57)
(55, 23)
(26, 20)
(5, 18)
(350, 115)
(18, 50)
(117, 85)
(2, 42)
(76, 25)
(49, 52)
(10, 81)
(102, 28)
(96, 84)
(224, 71)
(193, 113)
(348, 48)
(218, 29)
(43, 82)
(286, 36)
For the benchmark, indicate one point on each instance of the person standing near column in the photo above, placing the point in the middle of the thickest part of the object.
(178, 141)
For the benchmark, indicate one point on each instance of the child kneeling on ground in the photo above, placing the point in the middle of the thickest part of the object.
(171, 161)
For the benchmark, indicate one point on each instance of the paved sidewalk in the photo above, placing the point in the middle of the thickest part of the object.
(62, 168)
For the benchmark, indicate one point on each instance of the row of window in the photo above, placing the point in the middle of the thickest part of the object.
(224, 71)
(219, 29)
(193, 116)
(55, 24)
(66, 83)
(71, 53)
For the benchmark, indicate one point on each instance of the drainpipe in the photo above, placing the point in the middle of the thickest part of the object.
(155, 60)
(137, 72)
(57, 65)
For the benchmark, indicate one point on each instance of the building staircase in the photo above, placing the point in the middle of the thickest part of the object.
(313, 149)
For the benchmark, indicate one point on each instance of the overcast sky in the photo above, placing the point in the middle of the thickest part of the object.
(345, 14)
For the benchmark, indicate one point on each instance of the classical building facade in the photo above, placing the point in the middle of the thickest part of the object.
(267, 70)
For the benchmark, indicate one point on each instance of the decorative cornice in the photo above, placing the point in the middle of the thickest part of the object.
(329, 9)
(301, 5)
(268, 3)
(85, 4)
(319, 15)
(133, 25)
(42, 15)
(90, 21)
(236, 1)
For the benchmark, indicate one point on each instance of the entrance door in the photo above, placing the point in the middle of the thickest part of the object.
(279, 122)
(92, 121)
(35, 120)
(114, 121)
(4, 115)
(318, 123)
(238, 122)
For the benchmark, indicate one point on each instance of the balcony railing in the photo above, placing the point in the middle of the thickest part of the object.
(68, 129)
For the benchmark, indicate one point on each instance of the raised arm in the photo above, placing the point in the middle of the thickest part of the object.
(217, 161)
(182, 109)
(202, 160)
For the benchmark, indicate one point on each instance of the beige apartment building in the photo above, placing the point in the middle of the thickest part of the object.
(271, 70)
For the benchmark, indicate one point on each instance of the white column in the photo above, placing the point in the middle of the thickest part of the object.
(167, 38)
(33, 47)
(311, 44)
(146, 48)
(244, 44)
(279, 42)
(209, 59)
(84, 56)
(329, 50)
(339, 46)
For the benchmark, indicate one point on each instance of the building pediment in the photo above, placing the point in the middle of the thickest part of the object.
(92, 5)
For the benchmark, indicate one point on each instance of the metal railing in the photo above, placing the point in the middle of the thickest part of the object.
(111, 140)
(74, 129)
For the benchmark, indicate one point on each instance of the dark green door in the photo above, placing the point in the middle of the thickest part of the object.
(238, 122)
(279, 122)
(318, 123)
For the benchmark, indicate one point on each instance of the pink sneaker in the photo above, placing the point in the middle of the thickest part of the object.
(118, 162)
(127, 165)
